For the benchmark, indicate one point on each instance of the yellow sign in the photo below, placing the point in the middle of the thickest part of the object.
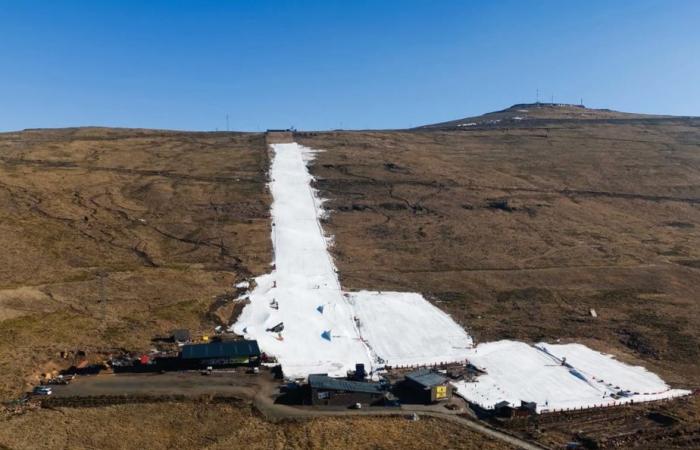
(440, 391)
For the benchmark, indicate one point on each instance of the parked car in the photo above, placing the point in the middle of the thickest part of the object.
(61, 379)
(42, 390)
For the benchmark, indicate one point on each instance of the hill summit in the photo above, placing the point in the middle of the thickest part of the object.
(529, 112)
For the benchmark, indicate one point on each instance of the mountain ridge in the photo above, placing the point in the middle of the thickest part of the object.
(533, 113)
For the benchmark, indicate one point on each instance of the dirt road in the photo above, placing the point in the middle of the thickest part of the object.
(184, 384)
(261, 390)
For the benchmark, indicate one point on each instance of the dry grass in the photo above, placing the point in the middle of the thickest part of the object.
(519, 232)
(172, 219)
(516, 232)
(672, 425)
(222, 426)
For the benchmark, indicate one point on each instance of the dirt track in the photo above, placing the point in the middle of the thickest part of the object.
(182, 384)
(259, 389)
(632, 425)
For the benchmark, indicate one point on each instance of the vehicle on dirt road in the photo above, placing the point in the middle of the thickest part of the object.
(42, 390)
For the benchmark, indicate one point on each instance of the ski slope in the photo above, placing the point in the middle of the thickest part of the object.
(300, 314)
(405, 329)
(516, 371)
(324, 329)
(303, 279)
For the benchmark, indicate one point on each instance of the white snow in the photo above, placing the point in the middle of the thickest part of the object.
(243, 285)
(305, 279)
(405, 329)
(521, 372)
(392, 328)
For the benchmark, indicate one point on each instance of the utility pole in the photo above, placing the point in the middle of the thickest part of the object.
(537, 96)
(226, 121)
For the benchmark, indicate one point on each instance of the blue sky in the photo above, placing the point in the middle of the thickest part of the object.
(329, 64)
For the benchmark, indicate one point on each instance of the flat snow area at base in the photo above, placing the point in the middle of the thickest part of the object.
(521, 372)
(405, 329)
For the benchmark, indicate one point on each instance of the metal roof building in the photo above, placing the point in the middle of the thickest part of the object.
(340, 392)
(322, 381)
(426, 378)
(221, 350)
(429, 385)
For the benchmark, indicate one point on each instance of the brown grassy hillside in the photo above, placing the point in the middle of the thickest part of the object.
(519, 232)
(517, 228)
(223, 426)
(170, 219)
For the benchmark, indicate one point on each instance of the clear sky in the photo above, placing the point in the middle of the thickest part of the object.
(329, 64)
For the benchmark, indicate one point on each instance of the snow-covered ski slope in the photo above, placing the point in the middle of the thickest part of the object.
(327, 330)
(517, 372)
(405, 329)
(303, 280)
